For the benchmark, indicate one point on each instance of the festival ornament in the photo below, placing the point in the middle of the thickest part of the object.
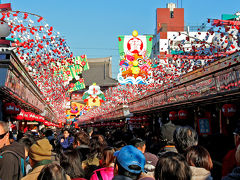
(94, 96)
(229, 110)
(135, 63)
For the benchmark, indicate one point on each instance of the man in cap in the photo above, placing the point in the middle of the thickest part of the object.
(151, 162)
(39, 155)
(229, 161)
(129, 163)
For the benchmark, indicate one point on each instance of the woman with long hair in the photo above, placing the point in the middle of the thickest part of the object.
(107, 172)
(72, 164)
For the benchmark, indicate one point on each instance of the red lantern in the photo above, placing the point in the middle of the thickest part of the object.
(46, 123)
(9, 108)
(17, 109)
(229, 110)
(33, 117)
(41, 118)
(36, 117)
(173, 115)
(20, 116)
(27, 116)
(182, 114)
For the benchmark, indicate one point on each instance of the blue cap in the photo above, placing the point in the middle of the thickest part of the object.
(129, 155)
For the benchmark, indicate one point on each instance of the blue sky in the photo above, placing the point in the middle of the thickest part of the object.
(91, 27)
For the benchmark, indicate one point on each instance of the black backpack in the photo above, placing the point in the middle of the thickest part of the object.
(21, 172)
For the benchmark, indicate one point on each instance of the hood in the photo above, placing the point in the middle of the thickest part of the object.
(15, 147)
(200, 173)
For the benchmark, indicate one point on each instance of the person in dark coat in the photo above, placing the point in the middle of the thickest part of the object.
(12, 156)
(235, 174)
(129, 163)
(229, 161)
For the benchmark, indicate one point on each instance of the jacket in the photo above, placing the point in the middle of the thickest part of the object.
(120, 177)
(67, 143)
(35, 173)
(11, 167)
(234, 175)
(107, 173)
(229, 162)
(200, 173)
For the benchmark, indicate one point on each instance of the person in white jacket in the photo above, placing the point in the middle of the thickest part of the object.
(200, 163)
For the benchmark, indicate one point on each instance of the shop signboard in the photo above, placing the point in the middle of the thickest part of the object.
(203, 87)
(19, 88)
(226, 80)
(204, 126)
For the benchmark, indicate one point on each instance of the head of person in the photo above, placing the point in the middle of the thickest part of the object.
(108, 157)
(4, 134)
(198, 156)
(48, 132)
(42, 132)
(27, 142)
(81, 138)
(172, 165)
(39, 151)
(139, 144)
(52, 171)
(151, 162)
(130, 162)
(185, 137)
(66, 133)
(72, 164)
(119, 144)
(90, 130)
(236, 135)
(97, 144)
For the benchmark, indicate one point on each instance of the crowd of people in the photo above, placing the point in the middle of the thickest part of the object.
(105, 154)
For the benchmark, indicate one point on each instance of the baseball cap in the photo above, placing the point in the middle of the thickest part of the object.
(151, 158)
(129, 155)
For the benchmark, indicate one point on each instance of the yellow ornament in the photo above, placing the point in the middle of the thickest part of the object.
(135, 33)
(135, 63)
(135, 70)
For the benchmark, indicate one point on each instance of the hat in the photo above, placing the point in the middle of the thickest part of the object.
(129, 155)
(41, 150)
(237, 131)
(151, 159)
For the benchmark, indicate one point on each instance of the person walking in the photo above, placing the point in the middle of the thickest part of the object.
(12, 156)
(39, 156)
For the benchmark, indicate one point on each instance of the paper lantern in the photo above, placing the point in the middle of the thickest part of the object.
(20, 116)
(17, 109)
(46, 123)
(173, 115)
(9, 108)
(27, 116)
(37, 117)
(182, 114)
(229, 110)
(41, 118)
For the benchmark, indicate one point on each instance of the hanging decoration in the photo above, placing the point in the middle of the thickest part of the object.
(46, 56)
(192, 51)
(94, 96)
(173, 115)
(229, 110)
(135, 63)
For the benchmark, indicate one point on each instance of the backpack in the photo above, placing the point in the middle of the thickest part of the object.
(21, 172)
